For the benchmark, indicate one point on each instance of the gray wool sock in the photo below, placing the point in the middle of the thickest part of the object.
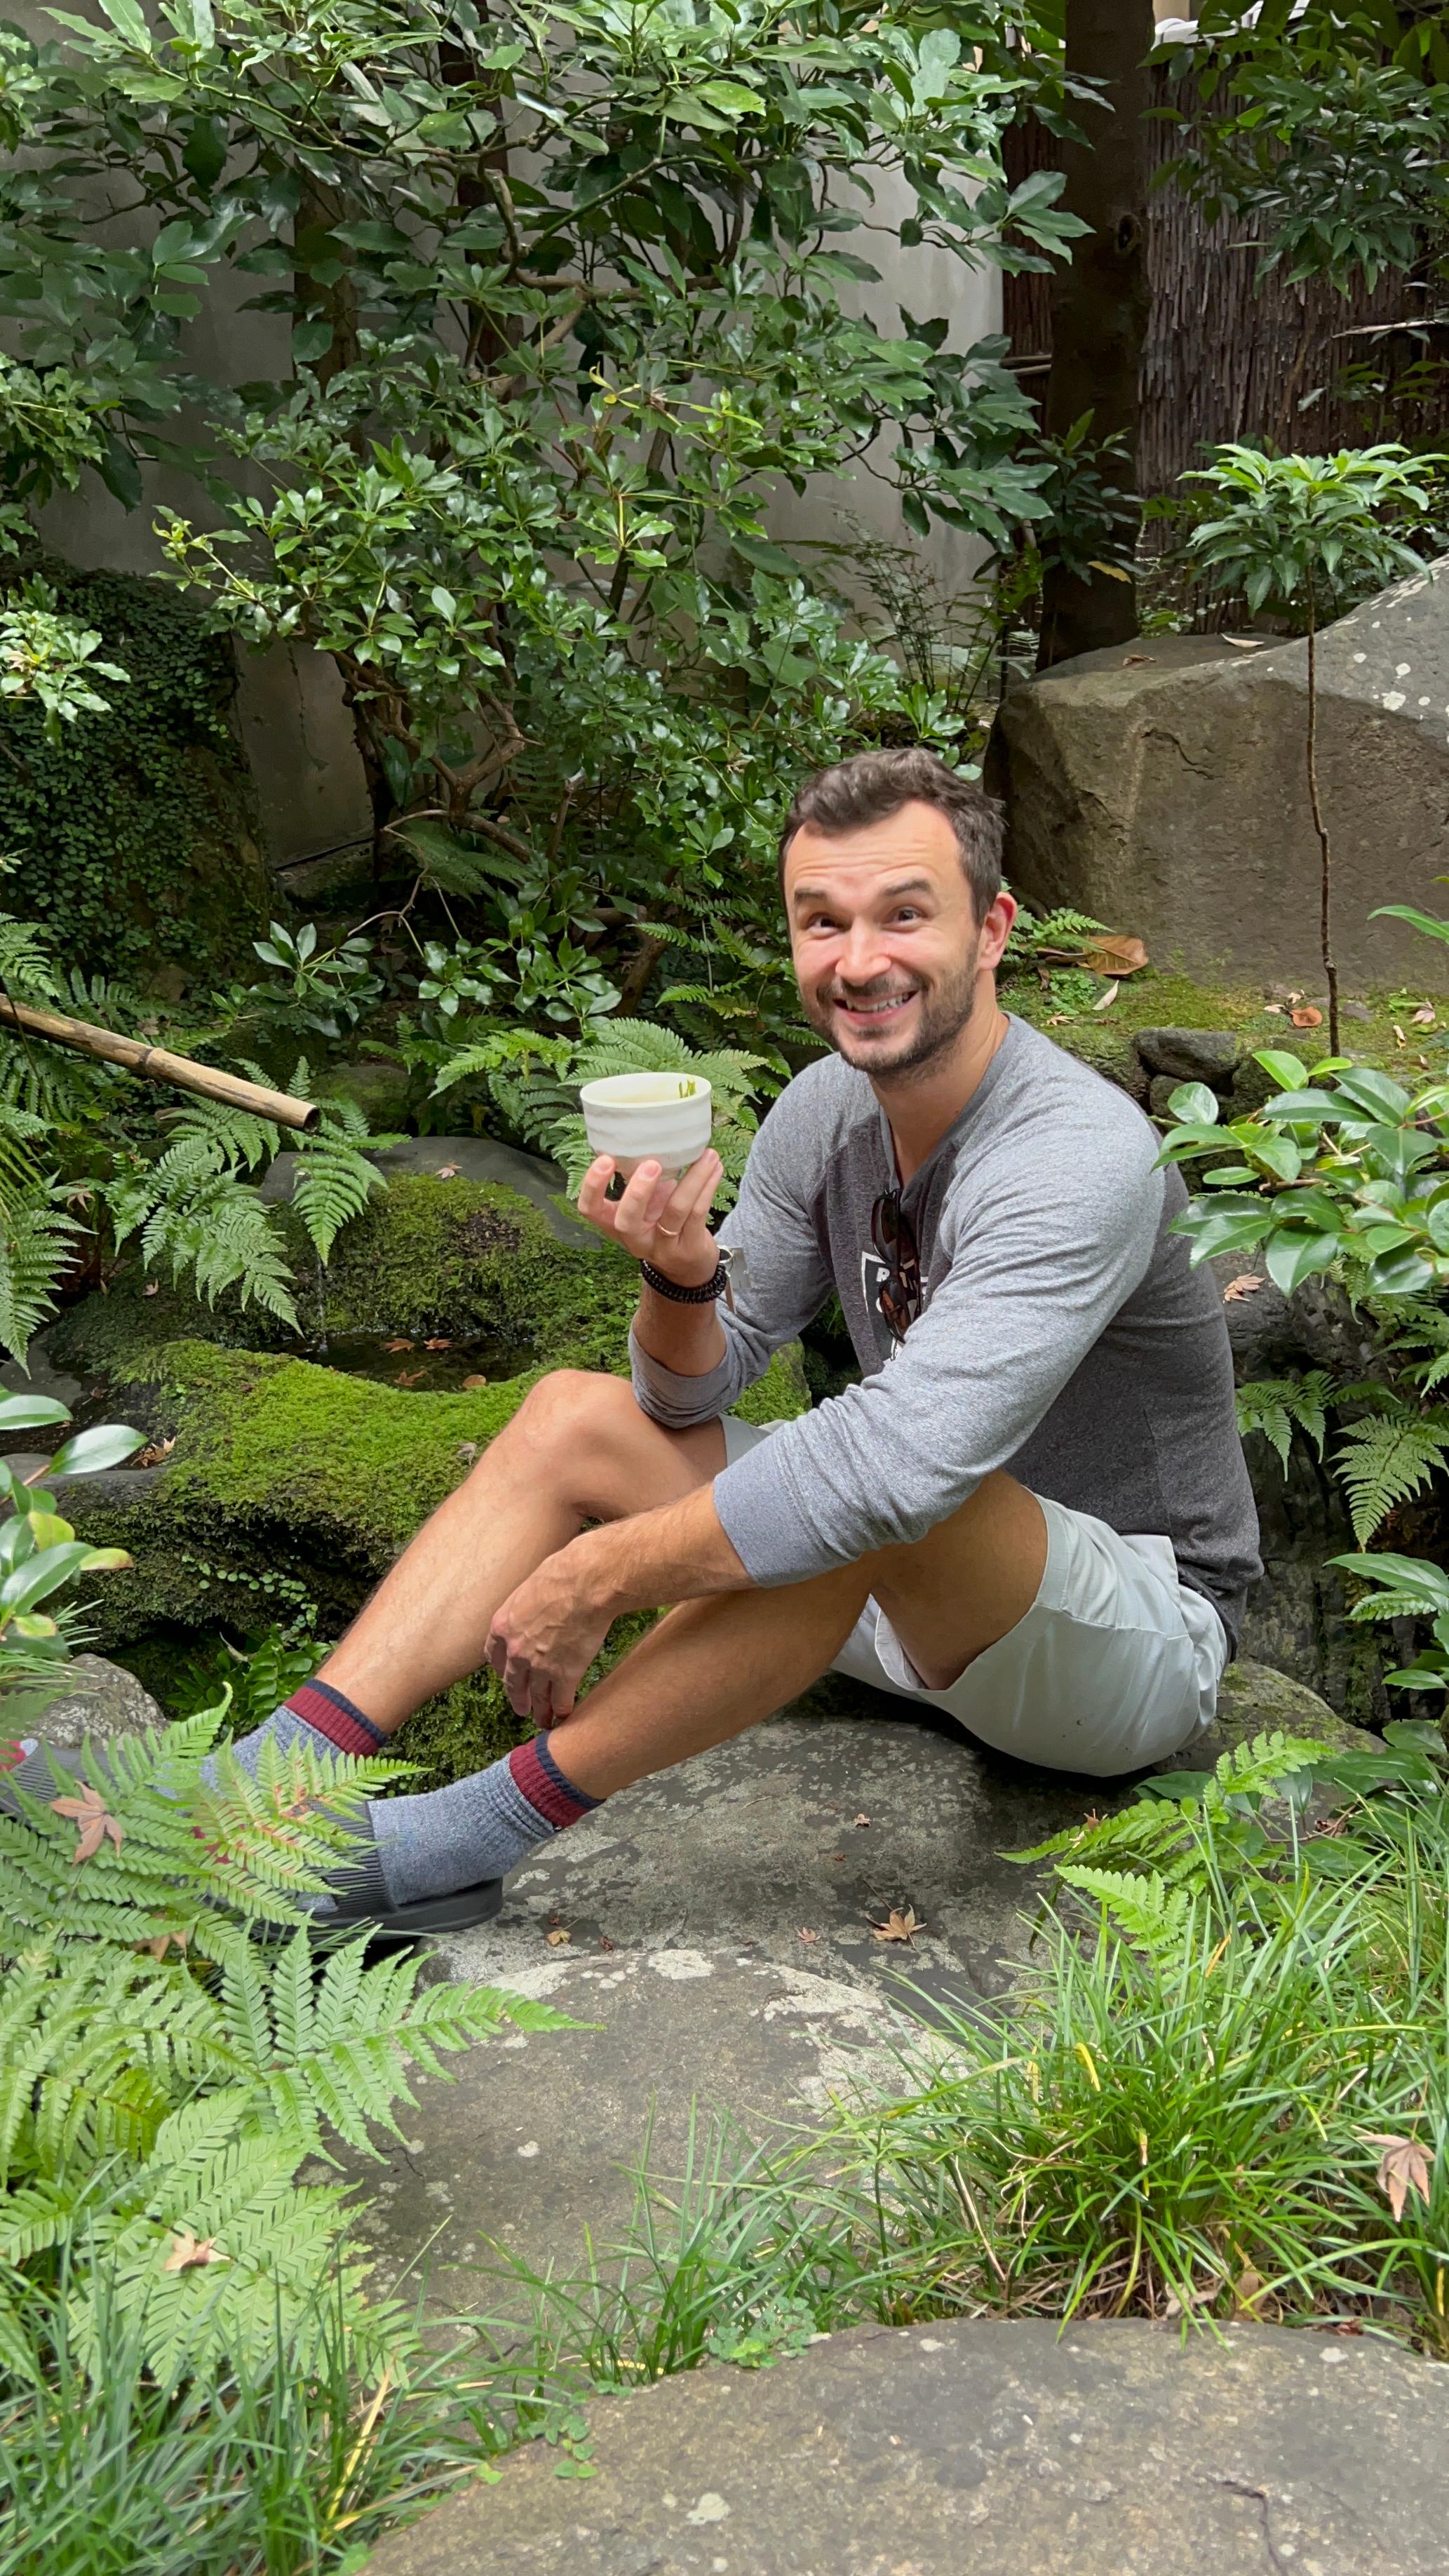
(478, 1828)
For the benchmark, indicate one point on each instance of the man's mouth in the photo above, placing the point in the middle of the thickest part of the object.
(875, 1013)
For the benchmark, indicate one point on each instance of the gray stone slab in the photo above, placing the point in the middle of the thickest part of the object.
(987, 2449)
(720, 1924)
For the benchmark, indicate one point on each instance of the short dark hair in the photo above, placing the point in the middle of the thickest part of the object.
(875, 784)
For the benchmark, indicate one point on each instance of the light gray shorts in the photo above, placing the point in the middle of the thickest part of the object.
(1115, 1666)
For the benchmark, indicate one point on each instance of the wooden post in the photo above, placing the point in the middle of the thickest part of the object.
(154, 1064)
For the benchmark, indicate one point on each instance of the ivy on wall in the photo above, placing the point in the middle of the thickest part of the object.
(137, 837)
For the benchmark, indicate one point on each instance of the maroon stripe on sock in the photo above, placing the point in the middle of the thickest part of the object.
(536, 1773)
(335, 1717)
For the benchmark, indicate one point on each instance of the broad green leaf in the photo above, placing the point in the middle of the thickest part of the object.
(1293, 1256)
(1285, 1069)
(29, 1412)
(1193, 1104)
(109, 1445)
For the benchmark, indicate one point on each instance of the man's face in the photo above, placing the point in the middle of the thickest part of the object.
(888, 952)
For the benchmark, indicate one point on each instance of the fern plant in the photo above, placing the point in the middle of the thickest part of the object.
(1278, 1406)
(164, 2075)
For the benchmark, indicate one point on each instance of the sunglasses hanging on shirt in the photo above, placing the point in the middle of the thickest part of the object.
(894, 1238)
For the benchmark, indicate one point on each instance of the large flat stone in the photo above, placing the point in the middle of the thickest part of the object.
(1161, 787)
(721, 1942)
(467, 1158)
(987, 2449)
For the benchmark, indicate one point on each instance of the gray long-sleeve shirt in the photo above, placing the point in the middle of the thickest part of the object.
(1064, 1334)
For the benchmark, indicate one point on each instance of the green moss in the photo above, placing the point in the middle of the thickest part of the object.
(781, 1393)
(1151, 1000)
(471, 1260)
(137, 838)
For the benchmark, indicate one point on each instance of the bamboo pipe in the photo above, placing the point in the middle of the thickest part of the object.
(156, 1065)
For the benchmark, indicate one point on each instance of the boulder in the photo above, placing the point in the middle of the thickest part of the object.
(101, 1701)
(1018, 2448)
(1161, 786)
(1189, 1055)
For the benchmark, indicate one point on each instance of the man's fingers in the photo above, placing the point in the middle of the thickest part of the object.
(694, 1193)
(594, 1204)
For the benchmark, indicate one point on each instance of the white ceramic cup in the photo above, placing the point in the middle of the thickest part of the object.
(638, 1118)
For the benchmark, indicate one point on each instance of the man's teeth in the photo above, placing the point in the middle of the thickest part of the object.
(865, 1010)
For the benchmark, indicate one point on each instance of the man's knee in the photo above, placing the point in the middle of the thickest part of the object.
(571, 1414)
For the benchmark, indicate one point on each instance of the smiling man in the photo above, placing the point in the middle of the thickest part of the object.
(1031, 1512)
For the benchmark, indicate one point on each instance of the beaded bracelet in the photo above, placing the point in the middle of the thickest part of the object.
(702, 1296)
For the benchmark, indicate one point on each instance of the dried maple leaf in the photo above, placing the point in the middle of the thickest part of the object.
(399, 1343)
(154, 1289)
(447, 1172)
(808, 1936)
(90, 1813)
(1307, 1017)
(605, 1943)
(1242, 1286)
(472, 1382)
(439, 1342)
(1424, 1017)
(557, 1937)
(1403, 2167)
(409, 1377)
(187, 2250)
(162, 1943)
(898, 1926)
(154, 1452)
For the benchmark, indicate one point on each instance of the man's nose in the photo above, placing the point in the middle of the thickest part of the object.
(863, 954)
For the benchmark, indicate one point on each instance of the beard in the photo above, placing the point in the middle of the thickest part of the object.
(942, 1012)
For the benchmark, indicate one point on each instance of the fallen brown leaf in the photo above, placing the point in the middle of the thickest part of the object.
(96, 1825)
(473, 1381)
(1305, 1017)
(1242, 1286)
(439, 1342)
(862, 1820)
(1105, 1000)
(1403, 2167)
(447, 1172)
(898, 1926)
(468, 1449)
(1130, 660)
(154, 1452)
(399, 1343)
(1251, 2298)
(809, 1936)
(162, 1943)
(605, 1943)
(1110, 953)
(152, 1288)
(557, 1937)
(1424, 1017)
(1276, 1008)
(409, 1377)
(187, 2250)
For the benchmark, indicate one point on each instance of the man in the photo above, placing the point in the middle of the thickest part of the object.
(1031, 1512)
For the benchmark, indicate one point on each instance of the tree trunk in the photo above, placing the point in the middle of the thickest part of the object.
(1099, 302)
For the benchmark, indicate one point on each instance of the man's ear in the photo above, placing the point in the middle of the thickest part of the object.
(996, 930)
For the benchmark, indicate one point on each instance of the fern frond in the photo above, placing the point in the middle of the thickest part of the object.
(334, 1180)
(36, 1239)
(1146, 1909)
(1387, 1460)
(1274, 1406)
(223, 1234)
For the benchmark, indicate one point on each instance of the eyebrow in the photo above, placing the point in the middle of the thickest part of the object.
(904, 885)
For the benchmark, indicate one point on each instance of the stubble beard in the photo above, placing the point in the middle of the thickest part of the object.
(945, 1013)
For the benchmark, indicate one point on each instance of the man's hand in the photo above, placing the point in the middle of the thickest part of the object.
(659, 1220)
(544, 1638)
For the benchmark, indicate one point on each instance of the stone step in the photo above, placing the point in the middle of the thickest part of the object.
(986, 2449)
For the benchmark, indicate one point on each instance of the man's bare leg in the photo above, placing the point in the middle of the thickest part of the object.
(713, 1668)
(578, 1449)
